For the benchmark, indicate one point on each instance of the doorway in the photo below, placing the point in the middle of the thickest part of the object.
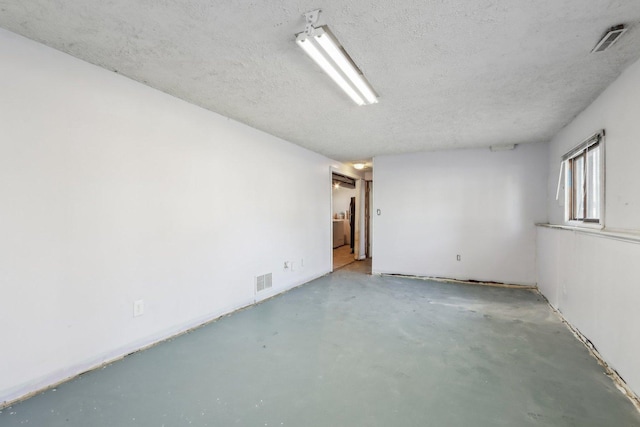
(344, 196)
(351, 218)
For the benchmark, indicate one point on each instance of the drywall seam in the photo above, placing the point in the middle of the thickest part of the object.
(619, 382)
(136, 348)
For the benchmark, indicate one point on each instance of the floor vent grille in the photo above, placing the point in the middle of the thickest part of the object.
(263, 282)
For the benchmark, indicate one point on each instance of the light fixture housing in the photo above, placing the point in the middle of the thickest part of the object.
(503, 147)
(323, 47)
(359, 166)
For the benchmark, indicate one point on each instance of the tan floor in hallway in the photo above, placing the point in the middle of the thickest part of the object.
(342, 256)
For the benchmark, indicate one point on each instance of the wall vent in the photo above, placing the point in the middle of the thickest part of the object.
(263, 282)
(609, 38)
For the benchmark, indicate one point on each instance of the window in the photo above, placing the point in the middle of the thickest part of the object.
(584, 181)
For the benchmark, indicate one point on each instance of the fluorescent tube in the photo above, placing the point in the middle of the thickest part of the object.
(306, 45)
(335, 53)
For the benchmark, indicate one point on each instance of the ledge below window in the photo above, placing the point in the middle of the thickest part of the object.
(625, 236)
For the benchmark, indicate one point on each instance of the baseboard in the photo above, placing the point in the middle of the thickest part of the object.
(40, 385)
(463, 281)
(619, 382)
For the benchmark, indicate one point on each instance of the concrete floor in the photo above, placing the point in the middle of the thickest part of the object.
(353, 350)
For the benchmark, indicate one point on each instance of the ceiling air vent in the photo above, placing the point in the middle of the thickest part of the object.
(609, 38)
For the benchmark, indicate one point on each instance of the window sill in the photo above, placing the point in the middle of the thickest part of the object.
(598, 231)
(582, 224)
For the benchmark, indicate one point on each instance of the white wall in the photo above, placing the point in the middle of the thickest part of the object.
(111, 192)
(594, 280)
(616, 110)
(480, 204)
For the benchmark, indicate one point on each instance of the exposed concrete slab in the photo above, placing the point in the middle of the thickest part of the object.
(353, 350)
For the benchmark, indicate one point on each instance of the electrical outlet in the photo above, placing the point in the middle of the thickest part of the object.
(458, 257)
(138, 308)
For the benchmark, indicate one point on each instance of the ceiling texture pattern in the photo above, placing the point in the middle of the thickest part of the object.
(449, 74)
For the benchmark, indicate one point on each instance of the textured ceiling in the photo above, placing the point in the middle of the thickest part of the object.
(449, 74)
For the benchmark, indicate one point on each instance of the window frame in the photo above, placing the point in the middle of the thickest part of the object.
(568, 160)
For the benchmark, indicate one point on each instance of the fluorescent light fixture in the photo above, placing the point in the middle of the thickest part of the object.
(306, 44)
(326, 51)
(331, 47)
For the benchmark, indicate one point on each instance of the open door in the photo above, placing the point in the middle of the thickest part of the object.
(345, 207)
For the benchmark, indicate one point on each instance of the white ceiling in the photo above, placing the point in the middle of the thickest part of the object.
(450, 74)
